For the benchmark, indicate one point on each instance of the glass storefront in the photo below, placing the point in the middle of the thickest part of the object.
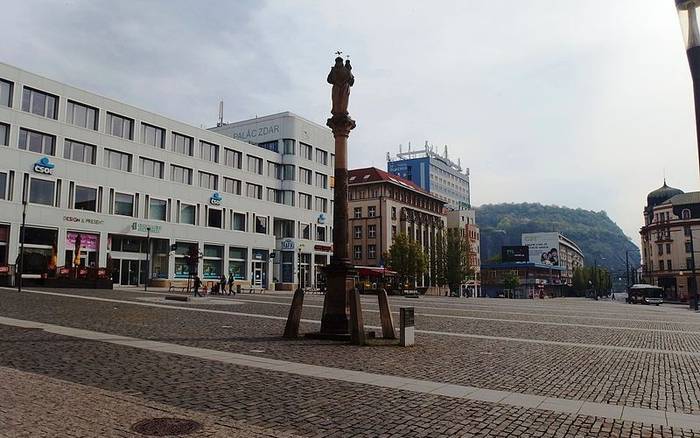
(213, 262)
(182, 270)
(287, 262)
(40, 251)
(4, 239)
(82, 249)
(259, 268)
(237, 262)
(160, 254)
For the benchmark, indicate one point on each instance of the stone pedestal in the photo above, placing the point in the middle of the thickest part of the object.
(336, 305)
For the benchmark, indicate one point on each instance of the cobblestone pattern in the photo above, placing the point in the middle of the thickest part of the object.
(34, 405)
(286, 403)
(656, 381)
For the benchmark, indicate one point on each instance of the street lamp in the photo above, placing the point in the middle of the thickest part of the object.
(688, 15)
(301, 280)
(21, 245)
(148, 257)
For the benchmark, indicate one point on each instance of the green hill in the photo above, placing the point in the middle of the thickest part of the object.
(594, 232)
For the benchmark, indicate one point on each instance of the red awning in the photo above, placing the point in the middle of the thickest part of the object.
(373, 271)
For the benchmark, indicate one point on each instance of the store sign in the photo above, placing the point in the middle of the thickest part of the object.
(89, 242)
(135, 226)
(322, 218)
(326, 248)
(83, 220)
(287, 244)
(44, 166)
(215, 199)
(246, 134)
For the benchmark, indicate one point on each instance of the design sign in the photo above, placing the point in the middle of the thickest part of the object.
(44, 166)
(215, 199)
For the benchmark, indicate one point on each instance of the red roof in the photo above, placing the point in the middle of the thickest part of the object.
(372, 174)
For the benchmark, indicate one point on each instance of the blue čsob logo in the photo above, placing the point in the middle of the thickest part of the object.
(215, 199)
(44, 166)
(322, 218)
(288, 244)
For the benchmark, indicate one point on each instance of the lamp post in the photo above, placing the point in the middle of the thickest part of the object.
(21, 245)
(300, 277)
(688, 15)
(148, 257)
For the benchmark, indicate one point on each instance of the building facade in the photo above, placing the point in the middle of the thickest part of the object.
(465, 221)
(110, 185)
(554, 249)
(434, 173)
(669, 246)
(535, 280)
(381, 205)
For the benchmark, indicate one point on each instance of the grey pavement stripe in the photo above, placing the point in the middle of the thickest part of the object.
(576, 407)
(430, 332)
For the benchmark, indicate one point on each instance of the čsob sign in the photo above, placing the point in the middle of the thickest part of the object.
(215, 199)
(44, 166)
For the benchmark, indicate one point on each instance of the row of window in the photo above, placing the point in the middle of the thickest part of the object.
(357, 252)
(48, 192)
(371, 231)
(371, 212)
(46, 105)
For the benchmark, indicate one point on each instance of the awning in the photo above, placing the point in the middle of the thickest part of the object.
(374, 271)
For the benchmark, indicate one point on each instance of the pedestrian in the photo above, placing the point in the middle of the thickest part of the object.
(197, 285)
(222, 287)
(230, 284)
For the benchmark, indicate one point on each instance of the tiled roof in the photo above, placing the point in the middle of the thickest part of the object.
(372, 174)
(684, 199)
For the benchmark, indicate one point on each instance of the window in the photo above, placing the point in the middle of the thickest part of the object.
(357, 212)
(255, 165)
(6, 93)
(180, 174)
(188, 213)
(152, 135)
(42, 192)
(123, 204)
(3, 185)
(238, 223)
(371, 231)
(214, 218)
(261, 224)
(688, 247)
(209, 151)
(668, 248)
(321, 181)
(288, 173)
(357, 252)
(37, 142)
(232, 186)
(39, 103)
(668, 265)
(4, 134)
(120, 126)
(182, 144)
(306, 151)
(305, 201)
(237, 262)
(371, 251)
(305, 231)
(152, 168)
(254, 191)
(371, 211)
(85, 198)
(274, 170)
(157, 209)
(117, 160)
(82, 115)
(689, 263)
(321, 234)
(661, 265)
(393, 231)
(685, 214)
(76, 151)
(207, 180)
(333, 160)
(322, 157)
(686, 230)
(270, 145)
(213, 261)
(305, 175)
(393, 213)
(322, 204)
(288, 146)
(232, 158)
(357, 231)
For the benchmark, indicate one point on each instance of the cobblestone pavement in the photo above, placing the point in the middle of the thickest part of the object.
(280, 402)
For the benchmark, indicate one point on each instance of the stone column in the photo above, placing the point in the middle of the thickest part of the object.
(339, 272)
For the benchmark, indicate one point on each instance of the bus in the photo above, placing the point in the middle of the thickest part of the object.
(645, 294)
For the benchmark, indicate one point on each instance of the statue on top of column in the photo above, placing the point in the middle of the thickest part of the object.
(342, 79)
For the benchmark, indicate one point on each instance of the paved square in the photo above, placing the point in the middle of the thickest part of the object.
(565, 367)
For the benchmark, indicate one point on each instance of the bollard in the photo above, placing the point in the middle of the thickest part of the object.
(408, 327)
(385, 315)
(291, 329)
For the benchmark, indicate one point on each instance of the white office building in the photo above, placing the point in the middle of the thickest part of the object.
(112, 186)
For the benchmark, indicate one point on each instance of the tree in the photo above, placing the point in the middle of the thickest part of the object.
(510, 280)
(456, 259)
(579, 281)
(407, 258)
(438, 262)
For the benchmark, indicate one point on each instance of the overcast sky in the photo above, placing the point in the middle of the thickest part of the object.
(581, 104)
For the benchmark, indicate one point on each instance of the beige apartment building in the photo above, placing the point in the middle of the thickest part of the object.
(465, 221)
(381, 205)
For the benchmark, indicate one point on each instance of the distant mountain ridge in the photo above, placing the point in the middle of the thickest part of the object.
(594, 232)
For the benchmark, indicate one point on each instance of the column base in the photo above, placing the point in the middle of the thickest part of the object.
(336, 313)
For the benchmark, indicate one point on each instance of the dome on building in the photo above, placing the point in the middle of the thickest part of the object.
(662, 194)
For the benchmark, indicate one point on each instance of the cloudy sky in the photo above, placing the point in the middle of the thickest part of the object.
(583, 104)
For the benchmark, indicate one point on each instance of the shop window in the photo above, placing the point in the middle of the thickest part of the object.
(182, 249)
(42, 192)
(157, 209)
(237, 262)
(214, 218)
(40, 246)
(82, 249)
(213, 261)
(85, 198)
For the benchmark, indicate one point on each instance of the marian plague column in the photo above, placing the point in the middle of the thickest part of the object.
(335, 319)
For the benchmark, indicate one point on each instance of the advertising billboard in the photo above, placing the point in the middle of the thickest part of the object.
(542, 247)
(515, 254)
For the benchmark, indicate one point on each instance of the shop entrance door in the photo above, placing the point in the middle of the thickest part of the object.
(130, 272)
(259, 274)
